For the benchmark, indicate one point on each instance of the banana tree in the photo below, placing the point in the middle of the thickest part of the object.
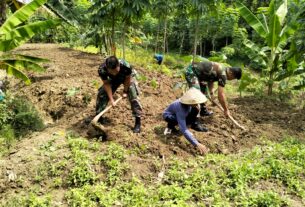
(13, 33)
(55, 6)
(276, 33)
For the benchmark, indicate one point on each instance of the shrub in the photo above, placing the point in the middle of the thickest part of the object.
(7, 136)
(26, 117)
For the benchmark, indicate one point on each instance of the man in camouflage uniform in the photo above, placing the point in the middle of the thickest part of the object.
(202, 76)
(113, 73)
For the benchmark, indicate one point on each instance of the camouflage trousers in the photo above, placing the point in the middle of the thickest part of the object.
(193, 81)
(102, 98)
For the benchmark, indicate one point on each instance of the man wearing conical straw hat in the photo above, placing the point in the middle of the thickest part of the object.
(183, 112)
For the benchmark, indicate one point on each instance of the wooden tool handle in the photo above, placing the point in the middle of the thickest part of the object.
(97, 117)
(230, 117)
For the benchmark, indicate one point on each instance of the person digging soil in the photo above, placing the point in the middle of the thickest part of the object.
(113, 73)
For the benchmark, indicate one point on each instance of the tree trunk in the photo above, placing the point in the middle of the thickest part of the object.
(226, 41)
(123, 45)
(272, 69)
(204, 47)
(2, 12)
(270, 86)
(164, 38)
(200, 46)
(113, 49)
(196, 34)
(158, 30)
(181, 44)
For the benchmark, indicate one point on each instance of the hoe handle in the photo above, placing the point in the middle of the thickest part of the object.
(230, 117)
(97, 117)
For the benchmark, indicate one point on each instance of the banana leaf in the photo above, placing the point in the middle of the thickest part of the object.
(300, 86)
(18, 74)
(277, 14)
(23, 57)
(24, 65)
(20, 16)
(22, 34)
(62, 11)
(260, 27)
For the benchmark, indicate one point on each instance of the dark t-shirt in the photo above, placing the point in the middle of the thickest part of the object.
(125, 70)
(206, 72)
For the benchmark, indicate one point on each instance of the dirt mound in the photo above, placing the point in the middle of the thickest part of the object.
(66, 95)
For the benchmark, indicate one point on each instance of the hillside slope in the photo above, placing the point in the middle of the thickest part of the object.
(65, 96)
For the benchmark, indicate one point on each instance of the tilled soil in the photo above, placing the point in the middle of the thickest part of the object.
(66, 96)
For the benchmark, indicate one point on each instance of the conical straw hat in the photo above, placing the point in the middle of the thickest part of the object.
(193, 96)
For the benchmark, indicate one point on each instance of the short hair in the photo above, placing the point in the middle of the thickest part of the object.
(237, 72)
(112, 62)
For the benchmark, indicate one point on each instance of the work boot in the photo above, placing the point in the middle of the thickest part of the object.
(198, 127)
(172, 127)
(205, 112)
(137, 126)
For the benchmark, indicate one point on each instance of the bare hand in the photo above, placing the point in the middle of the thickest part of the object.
(227, 113)
(124, 95)
(202, 149)
(112, 103)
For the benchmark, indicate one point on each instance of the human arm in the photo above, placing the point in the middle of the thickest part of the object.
(189, 136)
(211, 87)
(181, 119)
(127, 83)
(202, 149)
(107, 88)
(222, 100)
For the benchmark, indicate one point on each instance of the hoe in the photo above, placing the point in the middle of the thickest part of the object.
(100, 129)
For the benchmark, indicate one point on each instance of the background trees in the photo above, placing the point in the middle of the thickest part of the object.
(261, 35)
(13, 33)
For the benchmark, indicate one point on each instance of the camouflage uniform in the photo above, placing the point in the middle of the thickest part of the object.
(115, 82)
(198, 75)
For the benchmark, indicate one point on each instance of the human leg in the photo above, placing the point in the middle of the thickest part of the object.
(135, 106)
(192, 120)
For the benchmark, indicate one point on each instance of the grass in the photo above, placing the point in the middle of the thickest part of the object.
(269, 175)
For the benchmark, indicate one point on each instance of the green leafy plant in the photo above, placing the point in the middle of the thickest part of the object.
(72, 91)
(246, 81)
(113, 160)
(264, 199)
(13, 33)
(154, 83)
(7, 135)
(276, 32)
(26, 117)
(5, 114)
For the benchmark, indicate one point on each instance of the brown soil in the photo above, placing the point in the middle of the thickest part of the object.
(69, 69)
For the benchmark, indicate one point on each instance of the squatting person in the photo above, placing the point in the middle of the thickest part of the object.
(183, 112)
